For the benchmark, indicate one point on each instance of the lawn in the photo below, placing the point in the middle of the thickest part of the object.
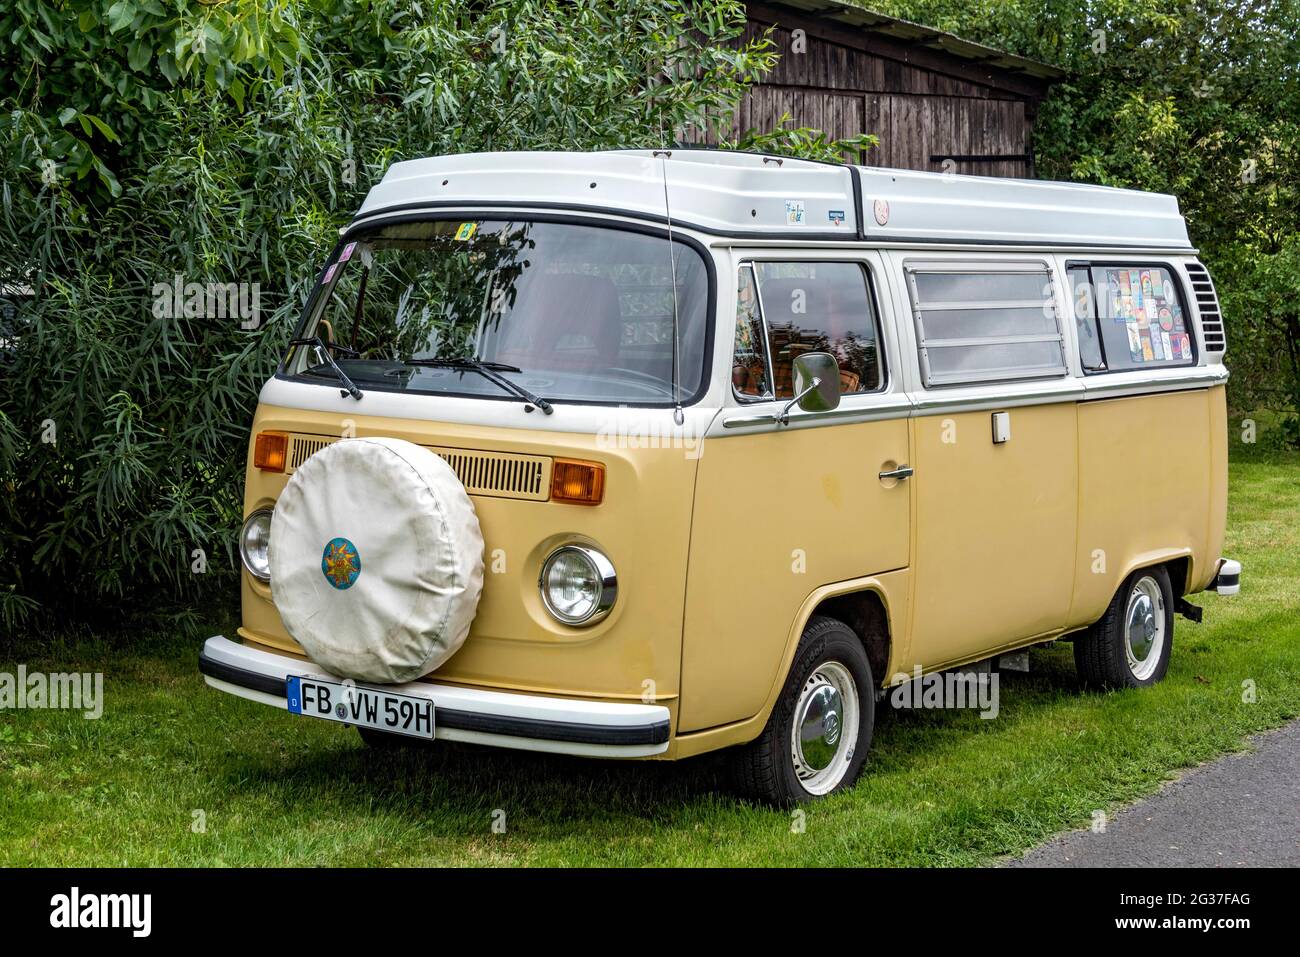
(941, 788)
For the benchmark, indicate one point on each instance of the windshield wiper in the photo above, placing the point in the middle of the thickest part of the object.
(488, 370)
(349, 387)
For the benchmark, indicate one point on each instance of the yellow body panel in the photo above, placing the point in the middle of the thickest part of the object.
(1152, 487)
(995, 527)
(779, 515)
(892, 589)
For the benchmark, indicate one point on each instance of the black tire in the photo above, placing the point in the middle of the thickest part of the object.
(1100, 654)
(764, 768)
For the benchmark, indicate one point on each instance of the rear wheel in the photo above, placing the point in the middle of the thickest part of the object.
(816, 739)
(1129, 646)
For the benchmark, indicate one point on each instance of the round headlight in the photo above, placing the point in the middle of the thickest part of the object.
(578, 585)
(253, 541)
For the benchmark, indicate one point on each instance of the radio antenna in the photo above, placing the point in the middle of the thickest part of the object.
(678, 416)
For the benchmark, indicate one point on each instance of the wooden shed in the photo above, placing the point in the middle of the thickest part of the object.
(936, 101)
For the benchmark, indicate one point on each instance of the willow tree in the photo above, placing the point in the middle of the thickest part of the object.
(152, 142)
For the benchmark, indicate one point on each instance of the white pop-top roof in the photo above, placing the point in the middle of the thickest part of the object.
(751, 196)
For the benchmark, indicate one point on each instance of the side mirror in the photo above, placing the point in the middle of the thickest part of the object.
(816, 384)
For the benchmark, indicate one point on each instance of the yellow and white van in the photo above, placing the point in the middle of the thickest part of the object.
(647, 454)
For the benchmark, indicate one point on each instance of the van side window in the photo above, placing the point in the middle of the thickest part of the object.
(1135, 314)
(984, 322)
(749, 373)
(813, 307)
(1085, 319)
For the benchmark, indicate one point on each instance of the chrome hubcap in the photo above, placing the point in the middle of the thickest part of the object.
(819, 726)
(1144, 628)
(825, 728)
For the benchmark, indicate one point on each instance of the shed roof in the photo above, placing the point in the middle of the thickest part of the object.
(853, 15)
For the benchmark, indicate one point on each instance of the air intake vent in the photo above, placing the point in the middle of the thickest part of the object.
(502, 474)
(303, 448)
(1207, 301)
(496, 474)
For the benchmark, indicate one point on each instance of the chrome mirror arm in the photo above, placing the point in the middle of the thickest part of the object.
(783, 417)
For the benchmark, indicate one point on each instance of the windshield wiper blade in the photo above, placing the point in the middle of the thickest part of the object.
(349, 387)
(488, 370)
(476, 364)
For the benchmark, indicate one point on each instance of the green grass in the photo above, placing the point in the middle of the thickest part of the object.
(942, 788)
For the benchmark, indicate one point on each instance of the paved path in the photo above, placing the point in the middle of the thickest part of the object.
(1241, 810)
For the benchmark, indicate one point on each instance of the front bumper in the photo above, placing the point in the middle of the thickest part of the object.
(504, 719)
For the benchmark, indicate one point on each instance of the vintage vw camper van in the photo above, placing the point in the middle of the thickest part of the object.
(646, 454)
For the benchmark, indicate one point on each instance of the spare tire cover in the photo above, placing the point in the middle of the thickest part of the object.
(376, 559)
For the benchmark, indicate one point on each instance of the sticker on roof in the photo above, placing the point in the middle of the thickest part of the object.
(794, 212)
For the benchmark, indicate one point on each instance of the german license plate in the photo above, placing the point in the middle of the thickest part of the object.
(365, 707)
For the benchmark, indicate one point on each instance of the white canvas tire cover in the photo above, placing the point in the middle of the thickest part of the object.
(376, 559)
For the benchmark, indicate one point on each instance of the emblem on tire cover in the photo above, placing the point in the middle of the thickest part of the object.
(341, 563)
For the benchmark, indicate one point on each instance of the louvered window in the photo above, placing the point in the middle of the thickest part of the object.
(1207, 301)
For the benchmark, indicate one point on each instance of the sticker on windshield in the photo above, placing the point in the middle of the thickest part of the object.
(466, 231)
(329, 274)
(347, 252)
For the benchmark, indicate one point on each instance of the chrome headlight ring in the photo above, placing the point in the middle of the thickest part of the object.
(578, 585)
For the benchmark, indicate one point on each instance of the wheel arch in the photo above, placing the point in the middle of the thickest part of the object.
(889, 591)
(867, 606)
(1178, 562)
(866, 613)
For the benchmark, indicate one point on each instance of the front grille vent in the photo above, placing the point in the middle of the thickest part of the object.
(500, 473)
(495, 474)
(304, 447)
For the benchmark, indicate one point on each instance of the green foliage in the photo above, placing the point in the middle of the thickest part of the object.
(225, 141)
(1260, 291)
(801, 141)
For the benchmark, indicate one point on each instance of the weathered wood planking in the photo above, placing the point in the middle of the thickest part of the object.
(846, 83)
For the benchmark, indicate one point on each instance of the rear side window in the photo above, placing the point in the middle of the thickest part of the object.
(787, 308)
(985, 322)
(1130, 317)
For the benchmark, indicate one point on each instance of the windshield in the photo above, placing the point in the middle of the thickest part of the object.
(568, 312)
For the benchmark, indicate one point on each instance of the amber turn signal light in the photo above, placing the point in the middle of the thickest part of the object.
(271, 451)
(578, 483)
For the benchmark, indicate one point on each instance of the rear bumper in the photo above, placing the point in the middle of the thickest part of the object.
(526, 722)
(1227, 580)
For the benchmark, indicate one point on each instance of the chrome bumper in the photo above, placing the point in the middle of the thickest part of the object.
(507, 720)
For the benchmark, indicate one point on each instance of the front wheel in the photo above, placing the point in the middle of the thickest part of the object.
(816, 739)
(1129, 646)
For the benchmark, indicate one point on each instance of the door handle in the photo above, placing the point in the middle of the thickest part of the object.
(900, 473)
